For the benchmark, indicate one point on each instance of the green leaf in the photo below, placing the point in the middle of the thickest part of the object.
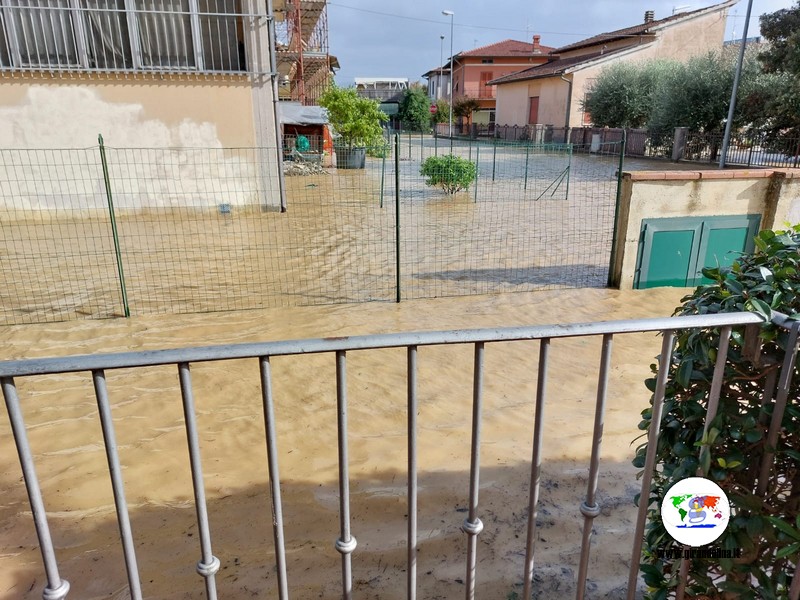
(788, 550)
(684, 374)
(784, 527)
(760, 307)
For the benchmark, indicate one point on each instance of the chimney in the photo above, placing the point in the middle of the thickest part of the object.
(649, 16)
(536, 49)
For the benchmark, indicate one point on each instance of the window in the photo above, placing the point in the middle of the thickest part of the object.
(148, 35)
(487, 61)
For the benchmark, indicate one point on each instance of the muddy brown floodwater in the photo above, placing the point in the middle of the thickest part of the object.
(64, 430)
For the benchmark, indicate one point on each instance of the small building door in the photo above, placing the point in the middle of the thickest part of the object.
(533, 112)
(674, 252)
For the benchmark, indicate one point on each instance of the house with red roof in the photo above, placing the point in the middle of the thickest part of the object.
(474, 69)
(554, 91)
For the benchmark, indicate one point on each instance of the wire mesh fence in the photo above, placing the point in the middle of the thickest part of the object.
(196, 230)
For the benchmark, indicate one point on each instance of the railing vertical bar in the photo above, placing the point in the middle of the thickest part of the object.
(274, 476)
(784, 385)
(412, 473)
(536, 463)
(589, 508)
(346, 542)
(650, 459)
(117, 485)
(56, 588)
(208, 564)
(719, 374)
(472, 525)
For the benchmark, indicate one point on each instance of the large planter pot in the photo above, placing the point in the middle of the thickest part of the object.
(351, 158)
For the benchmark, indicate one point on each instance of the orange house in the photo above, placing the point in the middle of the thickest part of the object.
(472, 71)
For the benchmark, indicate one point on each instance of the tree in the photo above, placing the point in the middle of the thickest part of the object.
(623, 94)
(464, 107)
(442, 111)
(415, 109)
(781, 29)
(357, 120)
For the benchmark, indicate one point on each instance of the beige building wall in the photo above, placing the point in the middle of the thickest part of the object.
(679, 41)
(135, 111)
(512, 103)
(775, 195)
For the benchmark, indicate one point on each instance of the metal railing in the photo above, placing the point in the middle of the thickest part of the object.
(182, 359)
(185, 36)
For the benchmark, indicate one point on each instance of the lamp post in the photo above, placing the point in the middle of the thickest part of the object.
(450, 13)
(441, 60)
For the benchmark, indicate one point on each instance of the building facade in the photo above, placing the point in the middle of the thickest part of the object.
(143, 73)
(553, 93)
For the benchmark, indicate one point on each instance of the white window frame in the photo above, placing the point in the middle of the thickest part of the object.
(11, 13)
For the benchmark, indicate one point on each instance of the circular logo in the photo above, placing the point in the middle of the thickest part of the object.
(695, 511)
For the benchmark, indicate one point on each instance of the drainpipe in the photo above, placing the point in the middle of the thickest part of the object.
(273, 66)
(569, 99)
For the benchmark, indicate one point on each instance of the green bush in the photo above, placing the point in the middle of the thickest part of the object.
(766, 527)
(449, 172)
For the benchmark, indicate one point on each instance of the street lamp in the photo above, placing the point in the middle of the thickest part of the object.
(450, 13)
(441, 60)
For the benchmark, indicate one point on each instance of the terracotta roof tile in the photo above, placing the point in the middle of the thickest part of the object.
(506, 48)
(554, 67)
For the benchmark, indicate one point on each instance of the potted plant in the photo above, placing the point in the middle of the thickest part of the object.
(357, 123)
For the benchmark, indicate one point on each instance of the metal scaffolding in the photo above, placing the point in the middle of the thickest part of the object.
(305, 65)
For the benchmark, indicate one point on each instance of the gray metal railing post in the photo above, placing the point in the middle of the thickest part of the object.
(412, 473)
(590, 509)
(117, 485)
(784, 385)
(714, 393)
(664, 363)
(56, 588)
(472, 525)
(536, 464)
(346, 542)
(208, 565)
(274, 476)
(112, 216)
(397, 215)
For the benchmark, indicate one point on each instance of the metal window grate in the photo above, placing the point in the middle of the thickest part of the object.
(183, 36)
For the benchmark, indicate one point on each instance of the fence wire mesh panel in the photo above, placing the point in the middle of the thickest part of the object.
(535, 216)
(57, 257)
(109, 231)
(200, 231)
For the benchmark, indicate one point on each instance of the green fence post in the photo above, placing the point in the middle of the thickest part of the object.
(569, 168)
(383, 169)
(397, 213)
(527, 154)
(494, 158)
(614, 234)
(477, 169)
(436, 143)
(114, 234)
(409, 145)
(470, 148)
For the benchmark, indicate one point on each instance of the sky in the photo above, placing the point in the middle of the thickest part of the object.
(374, 38)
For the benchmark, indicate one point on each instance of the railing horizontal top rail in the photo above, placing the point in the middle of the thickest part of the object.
(68, 364)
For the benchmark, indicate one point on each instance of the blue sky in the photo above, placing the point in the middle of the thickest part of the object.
(402, 39)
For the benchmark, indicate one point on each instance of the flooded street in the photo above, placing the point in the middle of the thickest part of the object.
(62, 421)
(534, 219)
